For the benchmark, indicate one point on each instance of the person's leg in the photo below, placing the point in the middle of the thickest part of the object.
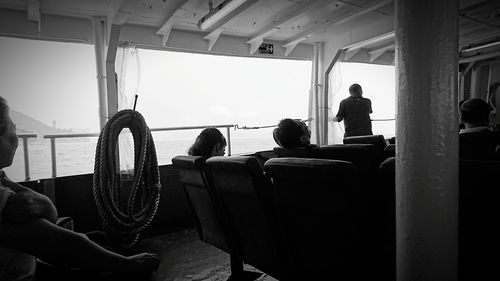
(62, 247)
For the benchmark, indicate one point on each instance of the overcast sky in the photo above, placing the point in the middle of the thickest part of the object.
(53, 81)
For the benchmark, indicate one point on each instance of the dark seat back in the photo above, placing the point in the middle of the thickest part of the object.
(479, 213)
(363, 156)
(390, 151)
(299, 152)
(263, 156)
(377, 140)
(479, 146)
(245, 197)
(369, 194)
(387, 176)
(201, 199)
(314, 207)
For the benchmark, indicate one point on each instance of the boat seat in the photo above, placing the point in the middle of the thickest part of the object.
(245, 197)
(314, 205)
(263, 156)
(479, 146)
(479, 213)
(363, 156)
(299, 152)
(201, 200)
(369, 193)
(387, 176)
(377, 140)
(390, 151)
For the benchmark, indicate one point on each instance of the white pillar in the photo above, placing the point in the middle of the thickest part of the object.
(316, 136)
(112, 83)
(427, 140)
(99, 46)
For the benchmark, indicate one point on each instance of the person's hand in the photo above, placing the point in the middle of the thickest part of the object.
(26, 204)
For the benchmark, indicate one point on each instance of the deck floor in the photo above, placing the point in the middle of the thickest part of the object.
(185, 257)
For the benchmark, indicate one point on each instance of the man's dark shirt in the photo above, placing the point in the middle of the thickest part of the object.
(355, 111)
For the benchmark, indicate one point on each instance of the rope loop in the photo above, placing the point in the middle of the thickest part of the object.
(126, 221)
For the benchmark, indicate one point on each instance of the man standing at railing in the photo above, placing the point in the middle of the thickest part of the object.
(355, 111)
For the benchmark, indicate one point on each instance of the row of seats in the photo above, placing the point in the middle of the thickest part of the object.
(302, 219)
(479, 232)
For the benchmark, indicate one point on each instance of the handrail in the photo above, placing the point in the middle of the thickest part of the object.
(53, 138)
(384, 119)
(25, 138)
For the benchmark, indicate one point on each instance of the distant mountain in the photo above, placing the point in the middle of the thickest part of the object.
(26, 124)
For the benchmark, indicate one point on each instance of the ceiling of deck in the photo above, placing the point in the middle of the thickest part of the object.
(288, 21)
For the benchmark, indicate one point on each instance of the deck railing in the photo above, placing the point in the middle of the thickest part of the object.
(54, 137)
(24, 138)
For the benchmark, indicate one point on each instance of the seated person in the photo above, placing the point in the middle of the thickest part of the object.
(209, 143)
(475, 116)
(294, 137)
(477, 140)
(28, 229)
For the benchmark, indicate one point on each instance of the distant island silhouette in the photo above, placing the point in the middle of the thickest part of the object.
(29, 125)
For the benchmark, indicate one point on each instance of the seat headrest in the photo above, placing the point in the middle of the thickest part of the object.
(300, 152)
(388, 164)
(305, 169)
(378, 140)
(234, 163)
(188, 162)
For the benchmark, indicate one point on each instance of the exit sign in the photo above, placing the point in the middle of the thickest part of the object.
(266, 48)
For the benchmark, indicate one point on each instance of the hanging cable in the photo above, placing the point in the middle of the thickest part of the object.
(237, 127)
(126, 221)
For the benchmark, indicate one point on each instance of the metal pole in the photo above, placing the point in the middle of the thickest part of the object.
(26, 159)
(427, 140)
(53, 156)
(98, 26)
(228, 141)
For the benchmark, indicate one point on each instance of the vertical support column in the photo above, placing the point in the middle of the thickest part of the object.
(112, 83)
(316, 100)
(228, 141)
(427, 141)
(53, 155)
(26, 159)
(99, 46)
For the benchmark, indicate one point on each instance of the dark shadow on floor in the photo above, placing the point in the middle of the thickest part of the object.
(185, 257)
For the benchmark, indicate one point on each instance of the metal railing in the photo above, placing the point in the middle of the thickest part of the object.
(54, 137)
(24, 138)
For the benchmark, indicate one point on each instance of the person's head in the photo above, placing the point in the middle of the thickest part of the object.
(475, 113)
(355, 90)
(209, 143)
(8, 137)
(292, 133)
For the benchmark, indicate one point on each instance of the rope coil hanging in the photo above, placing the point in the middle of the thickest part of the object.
(126, 222)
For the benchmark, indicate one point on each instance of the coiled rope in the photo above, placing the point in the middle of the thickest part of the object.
(120, 221)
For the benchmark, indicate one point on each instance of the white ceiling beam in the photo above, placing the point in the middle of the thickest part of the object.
(386, 57)
(167, 26)
(231, 15)
(34, 10)
(121, 13)
(376, 53)
(377, 39)
(217, 29)
(212, 37)
(335, 21)
(257, 38)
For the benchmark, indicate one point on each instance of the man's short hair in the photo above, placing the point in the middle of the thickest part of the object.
(475, 112)
(290, 133)
(4, 112)
(355, 88)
